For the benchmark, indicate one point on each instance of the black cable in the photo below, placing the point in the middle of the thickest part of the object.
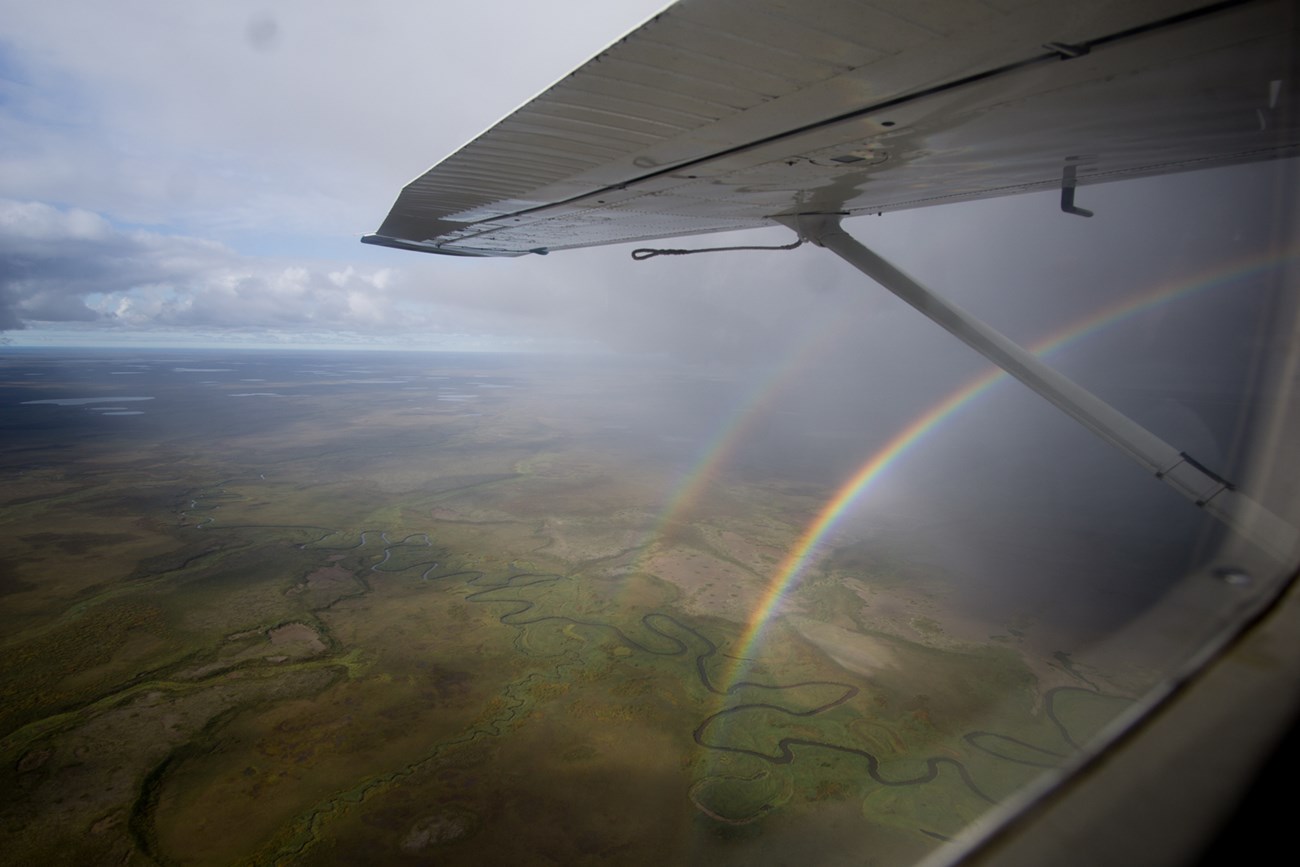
(643, 253)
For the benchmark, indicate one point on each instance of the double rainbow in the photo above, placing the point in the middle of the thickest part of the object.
(811, 541)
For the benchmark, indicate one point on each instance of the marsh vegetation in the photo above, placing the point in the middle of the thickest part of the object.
(360, 616)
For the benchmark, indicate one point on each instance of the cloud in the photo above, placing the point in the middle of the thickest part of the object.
(52, 259)
(72, 265)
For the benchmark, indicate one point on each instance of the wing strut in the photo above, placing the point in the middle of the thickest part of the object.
(1177, 469)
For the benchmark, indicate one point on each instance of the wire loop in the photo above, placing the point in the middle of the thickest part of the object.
(642, 253)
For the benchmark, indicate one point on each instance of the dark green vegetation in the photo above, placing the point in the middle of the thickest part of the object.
(424, 609)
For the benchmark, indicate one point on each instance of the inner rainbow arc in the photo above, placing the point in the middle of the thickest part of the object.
(794, 561)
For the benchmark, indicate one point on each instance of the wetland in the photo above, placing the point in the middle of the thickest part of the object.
(446, 608)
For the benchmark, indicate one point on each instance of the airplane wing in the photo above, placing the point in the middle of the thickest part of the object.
(723, 114)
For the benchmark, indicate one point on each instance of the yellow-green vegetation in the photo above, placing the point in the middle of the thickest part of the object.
(366, 632)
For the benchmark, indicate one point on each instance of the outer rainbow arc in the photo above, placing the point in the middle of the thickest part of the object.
(749, 410)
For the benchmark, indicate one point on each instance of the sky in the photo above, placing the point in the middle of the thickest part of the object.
(199, 174)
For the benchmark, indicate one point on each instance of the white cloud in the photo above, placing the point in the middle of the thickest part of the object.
(38, 221)
(73, 265)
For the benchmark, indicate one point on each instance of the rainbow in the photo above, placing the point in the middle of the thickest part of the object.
(748, 410)
(810, 542)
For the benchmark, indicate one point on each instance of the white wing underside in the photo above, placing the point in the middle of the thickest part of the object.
(723, 114)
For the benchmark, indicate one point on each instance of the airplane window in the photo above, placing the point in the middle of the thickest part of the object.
(321, 553)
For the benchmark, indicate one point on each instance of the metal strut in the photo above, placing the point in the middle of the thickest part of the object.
(1207, 490)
